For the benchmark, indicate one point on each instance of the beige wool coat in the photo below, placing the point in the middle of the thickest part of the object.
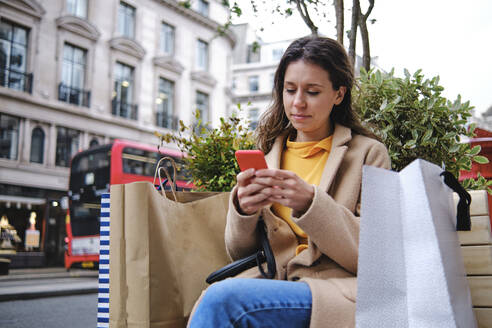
(329, 264)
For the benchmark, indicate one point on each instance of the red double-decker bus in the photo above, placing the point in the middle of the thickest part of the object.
(92, 172)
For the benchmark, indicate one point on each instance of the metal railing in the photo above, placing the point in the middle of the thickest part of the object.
(125, 110)
(167, 121)
(74, 95)
(13, 79)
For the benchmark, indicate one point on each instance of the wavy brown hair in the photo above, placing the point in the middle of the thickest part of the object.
(332, 57)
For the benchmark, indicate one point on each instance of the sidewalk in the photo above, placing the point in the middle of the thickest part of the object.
(45, 282)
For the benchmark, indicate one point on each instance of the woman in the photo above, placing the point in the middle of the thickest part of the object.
(309, 199)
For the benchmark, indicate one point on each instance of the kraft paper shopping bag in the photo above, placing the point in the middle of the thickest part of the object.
(161, 251)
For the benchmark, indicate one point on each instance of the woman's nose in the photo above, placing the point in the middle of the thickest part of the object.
(299, 100)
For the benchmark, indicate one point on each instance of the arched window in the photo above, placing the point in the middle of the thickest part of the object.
(94, 142)
(37, 145)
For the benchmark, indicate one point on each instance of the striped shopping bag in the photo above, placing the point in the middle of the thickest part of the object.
(103, 296)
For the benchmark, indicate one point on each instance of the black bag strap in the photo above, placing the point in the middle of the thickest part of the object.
(463, 222)
(267, 252)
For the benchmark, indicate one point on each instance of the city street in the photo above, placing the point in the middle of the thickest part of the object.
(78, 311)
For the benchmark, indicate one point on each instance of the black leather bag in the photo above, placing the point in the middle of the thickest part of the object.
(257, 259)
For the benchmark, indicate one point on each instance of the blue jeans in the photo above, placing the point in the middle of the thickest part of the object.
(241, 302)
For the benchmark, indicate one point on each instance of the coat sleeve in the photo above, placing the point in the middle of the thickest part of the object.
(332, 227)
(240, 232)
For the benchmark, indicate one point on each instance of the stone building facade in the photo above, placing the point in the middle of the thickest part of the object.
(254, 65)
(77, 73)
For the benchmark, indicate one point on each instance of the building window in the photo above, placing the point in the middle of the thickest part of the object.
(165, 105)
(253, 118)
(203, 7)
(9, 136)
(253, 83)
(202, 55)
(77, 8)
(254, 53)
(126, 20)
(73, 77)
(277, 54)
(123, 92)
(13, 57)
(37, 145)
(167, 39)
(67, 145)
(94, 142)
(202, 108)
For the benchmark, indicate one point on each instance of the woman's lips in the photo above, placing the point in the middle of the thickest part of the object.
(298, 117)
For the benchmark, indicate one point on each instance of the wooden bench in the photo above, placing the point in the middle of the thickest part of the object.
(476, 246)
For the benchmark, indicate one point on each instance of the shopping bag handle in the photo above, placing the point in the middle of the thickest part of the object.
(172, 182)
(463, 222)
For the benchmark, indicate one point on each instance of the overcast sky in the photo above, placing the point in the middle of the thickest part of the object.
(449, 38)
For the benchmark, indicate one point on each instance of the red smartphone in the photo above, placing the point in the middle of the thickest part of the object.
(251, 159)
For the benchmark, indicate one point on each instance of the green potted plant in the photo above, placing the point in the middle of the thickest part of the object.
(210, 151)
(414, 120)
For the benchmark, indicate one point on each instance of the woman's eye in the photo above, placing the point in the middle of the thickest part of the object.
(291, 91)
(313, 93)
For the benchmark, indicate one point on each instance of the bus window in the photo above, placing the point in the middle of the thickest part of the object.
(91, 169)
(85, 218)
(139, 161)
(91, 161)
(142, 162)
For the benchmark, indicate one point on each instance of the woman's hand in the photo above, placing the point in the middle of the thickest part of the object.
(249, 195)
(286, 188)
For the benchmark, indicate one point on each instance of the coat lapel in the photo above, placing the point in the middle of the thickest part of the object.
(341, 136)
(275, 154)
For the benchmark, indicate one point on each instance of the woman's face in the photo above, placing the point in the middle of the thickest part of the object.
(309, 98)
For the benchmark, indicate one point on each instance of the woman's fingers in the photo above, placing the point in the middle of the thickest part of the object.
(275, 182)
(249, 196)
(257, 189)
(276, 173)
(244, 177)
(286, 188)
(249, 189)
(251, 204)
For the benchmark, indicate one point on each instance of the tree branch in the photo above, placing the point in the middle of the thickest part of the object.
(362, 22)
(305, 16)
(340, 16)
(353, 30)
(369, 10)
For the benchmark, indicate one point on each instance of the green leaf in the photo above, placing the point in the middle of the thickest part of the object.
(480, 159)
(379, 79)
(475, 150)
(410, 144)
(427, 135)
(449, 135)
(454, 148)
(383, 105)
(185, 4)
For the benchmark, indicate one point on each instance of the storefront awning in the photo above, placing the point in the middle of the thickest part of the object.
(22, 200)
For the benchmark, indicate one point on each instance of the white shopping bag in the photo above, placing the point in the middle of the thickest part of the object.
(410, 271)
